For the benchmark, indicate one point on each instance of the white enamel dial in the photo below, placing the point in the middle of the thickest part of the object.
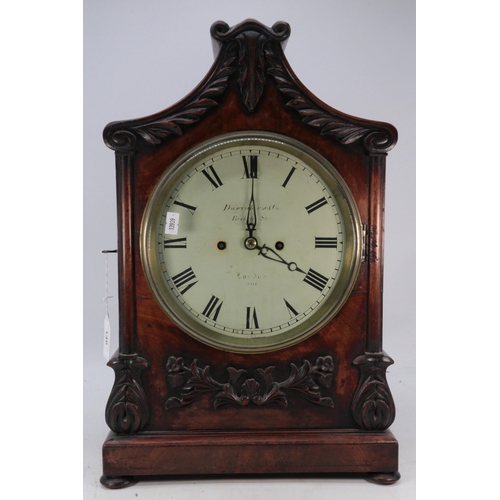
(251, 242)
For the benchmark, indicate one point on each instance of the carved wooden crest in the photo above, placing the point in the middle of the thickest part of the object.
(252, 54)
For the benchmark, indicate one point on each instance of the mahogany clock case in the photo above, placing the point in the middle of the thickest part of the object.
(327, 393)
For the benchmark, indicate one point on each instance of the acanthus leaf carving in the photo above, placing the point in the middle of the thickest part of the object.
(242, 388)
(379, 138)
(127, 409)
(252, 51)
(251, 68)
(122, 136)
(372, 405)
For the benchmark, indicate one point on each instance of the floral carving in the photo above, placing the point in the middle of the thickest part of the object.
(242, 388)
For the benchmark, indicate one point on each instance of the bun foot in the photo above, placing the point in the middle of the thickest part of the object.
(115, 483)
(384, 477)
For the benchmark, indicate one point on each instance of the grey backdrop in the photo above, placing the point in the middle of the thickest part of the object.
(143, 56)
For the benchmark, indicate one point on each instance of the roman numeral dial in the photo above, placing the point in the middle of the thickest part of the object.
(316, 280)
(316, 205)
(288, 177)
(290, 309)
(175, 243)
(250, 166)
(185, 280)
(325, 242)
(213, 308)
(262, 248)
(251, 318)
(190, 208)
(212, 177)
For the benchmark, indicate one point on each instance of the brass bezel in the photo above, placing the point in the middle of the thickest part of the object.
(329, 307)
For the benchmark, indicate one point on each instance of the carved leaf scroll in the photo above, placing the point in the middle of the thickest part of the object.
(252, 38)
(378, 137)
(127, 409)
(253, 52)
(372, 405)
(122, 136)
(251, 67)
(242, 388)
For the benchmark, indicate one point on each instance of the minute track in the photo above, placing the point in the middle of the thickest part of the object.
(251, 198)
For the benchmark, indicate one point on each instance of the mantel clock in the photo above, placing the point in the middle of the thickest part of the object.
(250, 259)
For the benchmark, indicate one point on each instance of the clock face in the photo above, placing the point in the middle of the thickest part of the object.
(251, 242)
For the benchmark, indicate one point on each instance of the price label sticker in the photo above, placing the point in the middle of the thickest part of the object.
(172, 223)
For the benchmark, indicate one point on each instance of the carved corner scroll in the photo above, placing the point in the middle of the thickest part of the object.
(123, 136)
(251, 51)
(242, 388)
(378, 138)
(127, 410)
(372, 406)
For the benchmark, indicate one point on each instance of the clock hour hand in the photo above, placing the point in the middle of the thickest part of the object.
(270, 254)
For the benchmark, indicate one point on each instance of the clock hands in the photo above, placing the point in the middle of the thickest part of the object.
(265, 252)
(251, 242)
(252, 213)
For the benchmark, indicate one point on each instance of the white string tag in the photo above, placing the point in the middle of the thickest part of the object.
(107, 322)
(107, 336)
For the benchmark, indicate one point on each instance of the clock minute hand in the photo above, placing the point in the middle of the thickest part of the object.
(252, 213)
(265, 252)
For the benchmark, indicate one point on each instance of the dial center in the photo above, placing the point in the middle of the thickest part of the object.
(250, 243)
